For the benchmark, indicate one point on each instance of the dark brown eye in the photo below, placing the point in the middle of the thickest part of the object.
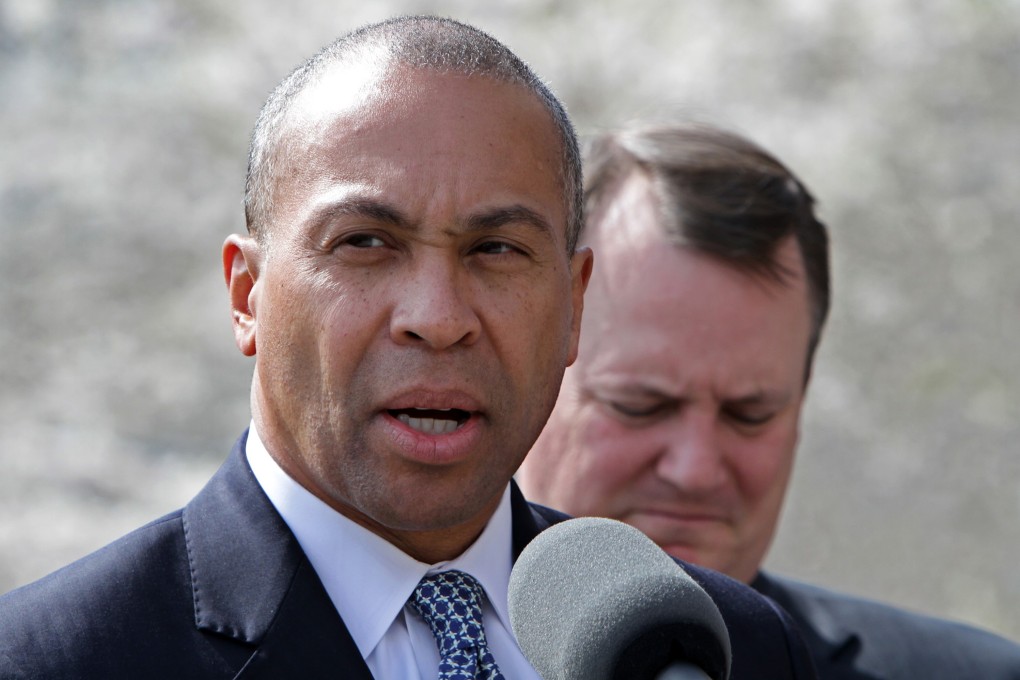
(364, 241)
(496, 248)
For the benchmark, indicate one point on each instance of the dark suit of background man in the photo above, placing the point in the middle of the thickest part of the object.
(411, 293)
(681, 414)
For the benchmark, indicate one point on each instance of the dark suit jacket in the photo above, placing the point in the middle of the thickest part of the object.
(855, 639)
(221, 589)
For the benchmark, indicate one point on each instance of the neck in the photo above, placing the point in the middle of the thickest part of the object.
(430, 545)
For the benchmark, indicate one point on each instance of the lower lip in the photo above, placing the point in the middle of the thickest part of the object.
(676, 531)
(683, 537)
(680, 520)
(683, 552)
(435, 449)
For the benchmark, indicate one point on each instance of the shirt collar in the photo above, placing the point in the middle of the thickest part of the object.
(367, 578)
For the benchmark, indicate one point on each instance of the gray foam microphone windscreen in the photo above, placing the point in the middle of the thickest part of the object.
(596, 599)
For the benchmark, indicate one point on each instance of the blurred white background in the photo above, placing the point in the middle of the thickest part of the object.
(124, 133)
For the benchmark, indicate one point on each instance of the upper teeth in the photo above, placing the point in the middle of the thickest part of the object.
(428, 425)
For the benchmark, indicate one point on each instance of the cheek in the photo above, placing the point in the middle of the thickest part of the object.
(614, 456)
(763, 468)
(536, 312)
(321, 332)
(282, 323)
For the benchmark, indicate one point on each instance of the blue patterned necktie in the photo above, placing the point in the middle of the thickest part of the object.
(451, 603)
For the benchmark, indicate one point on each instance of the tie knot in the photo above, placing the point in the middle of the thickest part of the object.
(450, 602)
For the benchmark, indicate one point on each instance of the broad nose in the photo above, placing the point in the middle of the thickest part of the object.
(436, 306)
(693, 460)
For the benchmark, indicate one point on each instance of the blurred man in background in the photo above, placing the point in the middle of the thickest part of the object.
(681, 414)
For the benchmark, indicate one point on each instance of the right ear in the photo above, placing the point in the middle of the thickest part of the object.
(242, 261)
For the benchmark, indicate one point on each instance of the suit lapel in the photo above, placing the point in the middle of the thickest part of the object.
(307, 639)
(252, 582)
(529, 519)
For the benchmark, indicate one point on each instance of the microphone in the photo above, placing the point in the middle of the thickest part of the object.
(596, 599)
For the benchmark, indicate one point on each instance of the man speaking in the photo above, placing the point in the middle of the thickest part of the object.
(411, 293)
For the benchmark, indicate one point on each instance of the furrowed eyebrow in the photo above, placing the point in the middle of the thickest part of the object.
(634, 392)
(499, 217)
(776, 399)
(378, 211)
(359, 207)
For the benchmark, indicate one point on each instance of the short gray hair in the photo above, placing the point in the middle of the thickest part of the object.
(422, 42)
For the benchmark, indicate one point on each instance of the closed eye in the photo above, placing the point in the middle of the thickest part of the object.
(749, 419)
(639, 411)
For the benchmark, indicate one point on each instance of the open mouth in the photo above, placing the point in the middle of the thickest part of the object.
(431, 421)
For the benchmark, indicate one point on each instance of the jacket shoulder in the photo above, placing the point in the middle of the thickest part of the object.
(100, 577)
(879, 640)
(762, 634)
(112, 613)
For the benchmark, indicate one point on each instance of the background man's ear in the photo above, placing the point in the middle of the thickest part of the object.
(242, 258)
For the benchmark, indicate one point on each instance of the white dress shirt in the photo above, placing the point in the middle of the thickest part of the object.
(370, 580)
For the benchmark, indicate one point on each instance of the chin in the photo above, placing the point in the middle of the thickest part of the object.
(687, 554)
(695, 556)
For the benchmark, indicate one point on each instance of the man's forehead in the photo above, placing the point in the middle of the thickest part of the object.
(360, 127)
(379, 86)
(629, 215)
(628, 235)
(341, 88)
